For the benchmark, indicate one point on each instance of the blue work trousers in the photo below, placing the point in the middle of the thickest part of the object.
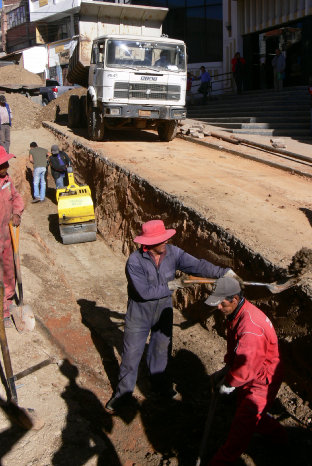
(39, 179)
(140, 322)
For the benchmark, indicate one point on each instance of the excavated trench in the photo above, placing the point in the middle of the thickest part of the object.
(124, 201)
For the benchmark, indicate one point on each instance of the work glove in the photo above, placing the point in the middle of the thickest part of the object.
(226, 390)
(175, 284)
(230, 273)
(217, 378)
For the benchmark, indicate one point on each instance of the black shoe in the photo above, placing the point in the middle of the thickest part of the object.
(37, 199)
(113, 404)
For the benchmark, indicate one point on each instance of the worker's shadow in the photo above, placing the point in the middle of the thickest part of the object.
(87, 423)
(106, 334)
(12, 435)
(175, 427)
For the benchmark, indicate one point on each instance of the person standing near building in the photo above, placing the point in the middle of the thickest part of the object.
(38, 156)
(238, 69)
(253, 369)
(279, 65)
(12, 207)
(59, 161)
(204, 87)
(150, 273)
(5, 123)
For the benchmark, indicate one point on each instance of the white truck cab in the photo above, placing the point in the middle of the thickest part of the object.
(137, 79)
(135, 76)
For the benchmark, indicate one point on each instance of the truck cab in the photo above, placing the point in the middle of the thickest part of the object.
(138, 82)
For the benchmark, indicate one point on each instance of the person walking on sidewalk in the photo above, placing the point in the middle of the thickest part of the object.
(253, 369)
(12, 207)
(59, 161)
(5, 123)
(150, 273)
(279, 64)
(38, 156)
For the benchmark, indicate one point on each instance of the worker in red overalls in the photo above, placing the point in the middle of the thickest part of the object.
(253, 369)
(12, 207)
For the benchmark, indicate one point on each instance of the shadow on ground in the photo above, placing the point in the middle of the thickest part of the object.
(84, 435)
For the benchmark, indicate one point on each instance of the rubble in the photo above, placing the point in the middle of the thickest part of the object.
(195, 130)
(278, 143)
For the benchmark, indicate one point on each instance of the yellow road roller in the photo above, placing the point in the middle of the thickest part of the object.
(75, 212)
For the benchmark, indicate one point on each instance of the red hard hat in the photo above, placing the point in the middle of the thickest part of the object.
(4, 156)
(154, 232)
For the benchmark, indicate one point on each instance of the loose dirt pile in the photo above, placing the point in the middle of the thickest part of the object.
(14, 74)
(26, 114)
(301, 262)
(57, 109)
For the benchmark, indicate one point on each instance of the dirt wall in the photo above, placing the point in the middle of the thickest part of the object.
(123, 201)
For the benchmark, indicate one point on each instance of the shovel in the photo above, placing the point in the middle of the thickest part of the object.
(23, 417)
(23, 316)
(275, 287)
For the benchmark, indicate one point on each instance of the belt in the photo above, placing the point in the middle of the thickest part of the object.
(2, 124)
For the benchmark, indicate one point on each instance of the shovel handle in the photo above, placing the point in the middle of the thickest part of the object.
(199, 280)
(15, 244)
(5, 349)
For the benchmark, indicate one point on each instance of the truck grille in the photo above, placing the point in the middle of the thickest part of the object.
(146, 91)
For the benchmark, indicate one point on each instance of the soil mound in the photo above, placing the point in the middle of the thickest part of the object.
(14, 74)
(301, 262)
(24, 111)
(58, 108)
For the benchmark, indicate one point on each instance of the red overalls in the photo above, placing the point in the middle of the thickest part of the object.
(255, 369)
(11, 202)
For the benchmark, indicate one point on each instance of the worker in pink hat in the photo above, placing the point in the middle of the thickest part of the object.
(12, 207)
(150, 273)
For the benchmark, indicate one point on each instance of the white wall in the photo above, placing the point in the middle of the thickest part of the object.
(35, 59)
(51, 8)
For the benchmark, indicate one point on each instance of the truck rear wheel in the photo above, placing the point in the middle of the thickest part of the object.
(74, 112)
(95, 124)
(167, 130)
(83, 111)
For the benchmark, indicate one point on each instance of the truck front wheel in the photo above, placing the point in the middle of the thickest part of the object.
(167, 130)
(74, 111)
(95, 124)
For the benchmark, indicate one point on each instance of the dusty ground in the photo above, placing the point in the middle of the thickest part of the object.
(269, 210)
(80, 290)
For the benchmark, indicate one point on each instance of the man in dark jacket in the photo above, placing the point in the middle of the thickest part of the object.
(253, 369)
(59, 161)
(150, 271)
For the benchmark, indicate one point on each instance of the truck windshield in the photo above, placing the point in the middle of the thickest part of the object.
(139, 54)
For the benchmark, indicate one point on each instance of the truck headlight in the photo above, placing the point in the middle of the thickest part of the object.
(113, 111)
(179, 113)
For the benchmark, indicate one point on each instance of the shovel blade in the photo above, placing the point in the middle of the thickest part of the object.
(24, 318)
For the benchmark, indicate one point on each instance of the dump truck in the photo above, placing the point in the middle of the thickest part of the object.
(134, 75)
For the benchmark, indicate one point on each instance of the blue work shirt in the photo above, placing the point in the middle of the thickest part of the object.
(148, 284)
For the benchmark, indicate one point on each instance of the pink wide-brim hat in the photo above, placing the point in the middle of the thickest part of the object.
(154, 232)
(4, 156)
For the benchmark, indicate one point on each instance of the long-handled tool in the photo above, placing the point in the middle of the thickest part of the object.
(211, 411)
(23, 316)
(5, 349)
(275, 287)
